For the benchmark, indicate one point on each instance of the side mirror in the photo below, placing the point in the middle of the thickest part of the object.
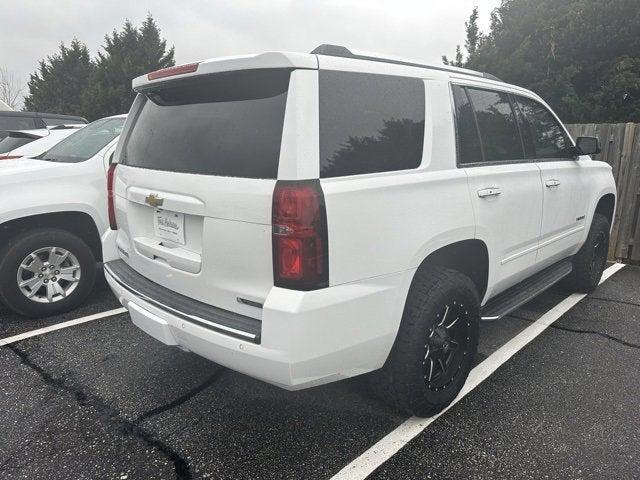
(588, 145)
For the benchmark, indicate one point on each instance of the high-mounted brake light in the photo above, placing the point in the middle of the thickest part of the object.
(9, 157)
(300, 239)
(170, 71)
(111, 208)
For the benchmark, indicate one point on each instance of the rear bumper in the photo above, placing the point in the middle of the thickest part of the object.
(302, 339)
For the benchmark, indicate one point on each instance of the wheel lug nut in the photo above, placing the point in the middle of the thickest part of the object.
(54, 279)
(40, 275)
(46, 280)
(43, 269)
(57, 272)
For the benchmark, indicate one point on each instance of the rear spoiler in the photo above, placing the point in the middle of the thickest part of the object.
(66, 127)
(22, 134)
(226, 64)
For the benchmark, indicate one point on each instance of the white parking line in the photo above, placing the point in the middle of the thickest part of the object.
(385, 448)
(59, 326)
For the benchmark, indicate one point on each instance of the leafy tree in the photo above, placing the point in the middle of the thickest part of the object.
(58, 84)
(582, 56)
(127, 54)
(10, 90)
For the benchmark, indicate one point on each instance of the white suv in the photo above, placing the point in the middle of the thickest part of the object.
(304, 218)
(52, 216)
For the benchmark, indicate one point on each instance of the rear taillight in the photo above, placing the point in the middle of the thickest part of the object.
(9, 157)
(110, 196)
(300, 243)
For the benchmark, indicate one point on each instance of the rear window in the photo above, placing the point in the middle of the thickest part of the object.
(369, 123)
(52, 122)
(228, 124)
(8, 144)
(17, 123)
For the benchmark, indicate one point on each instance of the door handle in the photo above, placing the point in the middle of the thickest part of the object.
(552, 182)
(489, 192)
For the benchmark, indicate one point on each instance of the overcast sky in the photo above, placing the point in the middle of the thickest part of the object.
(423, 29)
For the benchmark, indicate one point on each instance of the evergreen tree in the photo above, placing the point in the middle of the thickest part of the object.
(58, 84)
(127, 54)
(458, 62)
(473, 32)
(471, 43)
(582, 56)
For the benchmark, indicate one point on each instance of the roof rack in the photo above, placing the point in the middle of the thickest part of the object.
(344, 52)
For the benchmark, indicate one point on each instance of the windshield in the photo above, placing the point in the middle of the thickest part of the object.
(85, 143)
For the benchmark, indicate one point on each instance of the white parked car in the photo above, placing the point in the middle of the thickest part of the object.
(30, 143)
(52, 216)
(304, 218)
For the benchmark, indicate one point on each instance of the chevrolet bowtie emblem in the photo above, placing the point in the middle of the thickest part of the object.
(154, 200)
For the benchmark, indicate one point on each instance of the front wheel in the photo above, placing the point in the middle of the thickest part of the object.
(436, 344)
(589, 262)
(45, 272)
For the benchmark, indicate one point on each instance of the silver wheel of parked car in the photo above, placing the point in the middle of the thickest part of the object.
(48, 274)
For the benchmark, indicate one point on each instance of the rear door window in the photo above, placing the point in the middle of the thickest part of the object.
(469, 148)
(227, 124)
(542, 130)
(497, 125)
(369, 123)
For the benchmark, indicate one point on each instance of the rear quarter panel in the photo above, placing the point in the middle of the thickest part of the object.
(390, 222)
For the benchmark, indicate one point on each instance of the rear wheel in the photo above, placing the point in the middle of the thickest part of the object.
(589, 262)
(46, 271)
(436, 344)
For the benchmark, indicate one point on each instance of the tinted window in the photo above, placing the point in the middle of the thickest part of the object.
(542, 131)
(11, 143)
(369, 123)
(227, 124)
(497, 125)
(16, 123)
(469, 150)
(86, 142)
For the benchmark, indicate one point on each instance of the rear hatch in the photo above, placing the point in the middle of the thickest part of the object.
(198, 163)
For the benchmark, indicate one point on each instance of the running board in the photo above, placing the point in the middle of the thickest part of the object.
(516, 296)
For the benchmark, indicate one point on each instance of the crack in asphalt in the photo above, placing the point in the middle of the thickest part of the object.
(596, 332)
(589, 332)
(109, 414)
(624, 302)
(182, 399)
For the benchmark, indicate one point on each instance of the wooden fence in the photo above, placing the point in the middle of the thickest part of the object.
(620, 144)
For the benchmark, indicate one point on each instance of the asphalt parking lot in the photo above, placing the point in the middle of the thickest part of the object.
(104, 400)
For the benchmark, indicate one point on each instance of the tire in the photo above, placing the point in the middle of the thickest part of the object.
(76, 283)
(589, 262)
(408, 380)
